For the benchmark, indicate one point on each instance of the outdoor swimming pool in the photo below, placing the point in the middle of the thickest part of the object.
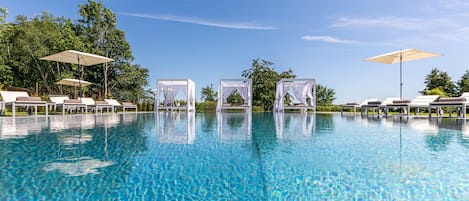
(233, 156)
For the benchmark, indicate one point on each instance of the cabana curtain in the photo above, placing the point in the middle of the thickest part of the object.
(300, 89)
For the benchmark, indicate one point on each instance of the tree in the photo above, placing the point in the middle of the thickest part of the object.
(324, 95)
(208, 93)
(264, 82)
(463, 83)
(235, 98)
(99, 29)
(441, 79)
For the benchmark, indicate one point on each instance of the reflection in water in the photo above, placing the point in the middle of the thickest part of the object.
(175, 127)
(20, 127)
(293, 126)
(107, 120)
(74, 137)
(209, 122)
(77, 166)
(234, 127)
(325, 124)
(128, 118)
(64, 122)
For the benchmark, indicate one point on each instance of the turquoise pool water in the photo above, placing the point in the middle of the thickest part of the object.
(233, 156)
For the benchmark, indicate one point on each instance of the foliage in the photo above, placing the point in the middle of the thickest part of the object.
(463, 84)
(6, 75)
(28, 39)
(436, 91)
(208, 106)
(235, 98)
(208, 93)
(441, 79)
(264, 80)
(328, 108)
(324, 95)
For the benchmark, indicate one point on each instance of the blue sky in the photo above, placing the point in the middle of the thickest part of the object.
(325, 40)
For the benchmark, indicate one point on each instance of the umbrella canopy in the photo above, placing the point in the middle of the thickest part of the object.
(74, 82)
(76, 57)
(407, 55)
(402, 56)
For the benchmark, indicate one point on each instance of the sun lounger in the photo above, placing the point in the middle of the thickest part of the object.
(65, 103)
(125, 105)
(95, 105)
(461, 103)
(356, 105)
(417, 103)
(21, 99)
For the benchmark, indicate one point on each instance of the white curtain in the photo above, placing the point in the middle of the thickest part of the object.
(298, 92)
(243, 91)
(169, 93)
(226, 92)
(278, 104)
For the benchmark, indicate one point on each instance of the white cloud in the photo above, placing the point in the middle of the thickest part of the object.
(329, 39)
(200, 21)
(401, 23)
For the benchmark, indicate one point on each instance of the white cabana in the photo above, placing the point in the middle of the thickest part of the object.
(234, 127)
(301, 91)
(175, 128)
(294, 126)
(228, 86)
(167, 91)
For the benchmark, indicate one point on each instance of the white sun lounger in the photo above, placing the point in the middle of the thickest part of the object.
(124, 105)
(21, 99)
(66, 103)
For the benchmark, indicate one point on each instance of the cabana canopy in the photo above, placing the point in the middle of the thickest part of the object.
(168, 90)
(302, 91)
(228, 86)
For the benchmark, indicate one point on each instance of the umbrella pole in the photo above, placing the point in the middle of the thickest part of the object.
(400, 70)
(81, 76)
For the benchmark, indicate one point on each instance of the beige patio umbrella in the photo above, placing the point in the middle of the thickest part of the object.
(74, 83)
(402, 56)
(79, 58)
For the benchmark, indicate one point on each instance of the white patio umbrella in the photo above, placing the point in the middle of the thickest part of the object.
(79, 58)
(74, 83)
(402, 56)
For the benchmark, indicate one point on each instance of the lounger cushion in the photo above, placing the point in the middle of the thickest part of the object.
(374, 103)
(400, 101)
(29, 99)
(351, 104)
(452, 100)
(76, 101)
(101, 103)
(127, 104)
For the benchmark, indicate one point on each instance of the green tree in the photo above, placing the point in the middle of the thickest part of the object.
(34, 38)
(441, 79)
(208, 93)
(463, 83)
(264, 82)
(235, 98)
(324, 95)
(436, 91)
(98, 27)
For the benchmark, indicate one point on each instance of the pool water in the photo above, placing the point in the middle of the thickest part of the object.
(233, 156)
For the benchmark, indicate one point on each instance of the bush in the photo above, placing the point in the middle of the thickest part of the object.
(209, 106)
(257, 109)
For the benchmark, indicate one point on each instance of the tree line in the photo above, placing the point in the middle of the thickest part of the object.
(27, 39)
(440, 83)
